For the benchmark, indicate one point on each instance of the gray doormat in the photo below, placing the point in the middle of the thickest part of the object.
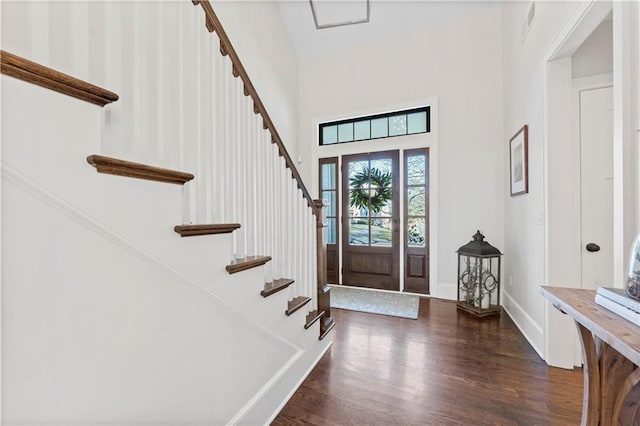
(375, 302)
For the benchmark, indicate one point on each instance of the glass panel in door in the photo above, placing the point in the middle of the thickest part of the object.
(370, 253)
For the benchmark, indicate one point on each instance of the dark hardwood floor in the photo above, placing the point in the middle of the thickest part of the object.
(446, 368)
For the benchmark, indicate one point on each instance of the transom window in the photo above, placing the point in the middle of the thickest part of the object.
(397, 123)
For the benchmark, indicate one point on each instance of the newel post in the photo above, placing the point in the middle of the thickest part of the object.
(324, 291)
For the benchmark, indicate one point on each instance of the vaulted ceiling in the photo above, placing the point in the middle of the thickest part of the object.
(388, 18)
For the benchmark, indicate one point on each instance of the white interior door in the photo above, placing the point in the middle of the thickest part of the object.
(596, 186)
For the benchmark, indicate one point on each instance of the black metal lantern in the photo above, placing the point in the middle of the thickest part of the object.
(479, 277)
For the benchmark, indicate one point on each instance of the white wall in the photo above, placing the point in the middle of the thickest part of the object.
(524, 215)
(108, 316)
(459, 63)
(533, 258)
(595, 56)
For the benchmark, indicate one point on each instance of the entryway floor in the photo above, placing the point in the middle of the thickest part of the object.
(446, 368)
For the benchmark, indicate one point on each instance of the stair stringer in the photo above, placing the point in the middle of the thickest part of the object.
(45, 164)
(142, 212)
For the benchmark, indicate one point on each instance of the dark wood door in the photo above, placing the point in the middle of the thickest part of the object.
(416, 220)
(370, 220)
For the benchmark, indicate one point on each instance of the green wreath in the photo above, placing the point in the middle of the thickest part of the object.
(373, 189)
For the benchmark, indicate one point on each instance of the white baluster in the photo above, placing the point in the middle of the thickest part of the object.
(313, 261)
(243, 168)
(80, 36)
(299, 236)
(256, 168)
(221, 137)
(258, 204)
(233, 171)
(313, 257)
(250, 195)
(290, 226)
(276, 208)
(267, 206)
(306, 258)
(197, 103)
(112, 123)
(308, 250)
(161, 83)
(207, 115)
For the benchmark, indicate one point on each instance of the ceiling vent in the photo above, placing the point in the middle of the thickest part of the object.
(330, 14)
(528, 23)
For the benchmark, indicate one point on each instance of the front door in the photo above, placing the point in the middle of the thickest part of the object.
(370, 220)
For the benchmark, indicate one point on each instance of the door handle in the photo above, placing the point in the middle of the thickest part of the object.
(592, 247)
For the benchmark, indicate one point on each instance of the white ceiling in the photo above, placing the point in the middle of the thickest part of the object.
(388, 18)
(336, 13)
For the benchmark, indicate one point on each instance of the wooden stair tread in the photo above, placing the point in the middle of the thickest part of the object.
(32, 72)
(194, 230)
(119, 167)
(246, 263)
(296, 303)
(326, 325)
(312, 317)
(275, 286)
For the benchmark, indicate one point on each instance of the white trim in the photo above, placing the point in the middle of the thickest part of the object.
(590, 82)
(267, 387)
(401, 143)
(302, 379)
(527, 326)
(25, 183)
(1, 240)
(557, 80)
(585, 18)
(580, 85)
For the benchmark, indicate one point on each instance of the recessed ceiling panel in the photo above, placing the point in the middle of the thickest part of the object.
(328, 14)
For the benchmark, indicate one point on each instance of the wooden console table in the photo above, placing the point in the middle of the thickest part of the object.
(611, 350)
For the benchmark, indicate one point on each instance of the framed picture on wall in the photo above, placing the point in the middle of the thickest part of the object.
(519, 164)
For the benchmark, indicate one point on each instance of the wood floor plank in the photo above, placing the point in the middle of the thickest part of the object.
(446, 368)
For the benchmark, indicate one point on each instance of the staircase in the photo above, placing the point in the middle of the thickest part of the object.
(123, 279)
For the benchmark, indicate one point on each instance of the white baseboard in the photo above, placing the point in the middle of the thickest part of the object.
(274, 396)
(446, 291)
(532, 331)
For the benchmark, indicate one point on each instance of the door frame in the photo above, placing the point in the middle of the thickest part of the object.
(431, 212)
(422, 140)
(579, 85)
(333, 250)
(558, 127)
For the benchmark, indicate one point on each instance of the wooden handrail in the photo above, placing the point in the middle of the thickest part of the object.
(226, 48)
(32, 72)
